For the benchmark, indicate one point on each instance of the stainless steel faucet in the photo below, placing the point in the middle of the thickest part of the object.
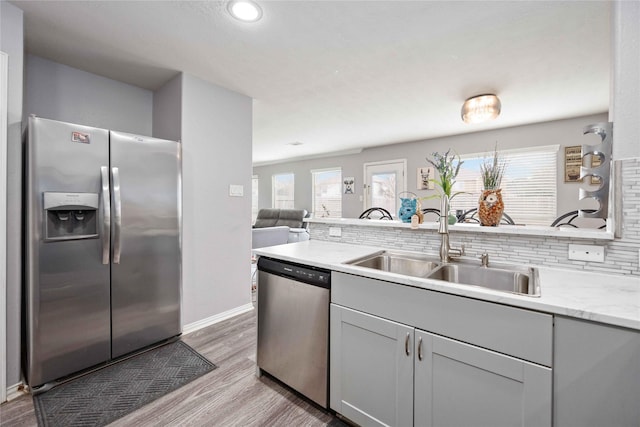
(446, 251)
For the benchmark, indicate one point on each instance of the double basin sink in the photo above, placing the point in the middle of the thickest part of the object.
(496, 276)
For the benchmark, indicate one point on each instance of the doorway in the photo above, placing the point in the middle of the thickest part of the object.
(383, 183)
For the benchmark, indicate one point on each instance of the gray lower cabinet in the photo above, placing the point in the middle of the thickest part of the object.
(405, 356)
(596, 374)
(384, 373)
(371, 369)
(458, 384)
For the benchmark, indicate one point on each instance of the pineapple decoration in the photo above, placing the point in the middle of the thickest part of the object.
(490, 205)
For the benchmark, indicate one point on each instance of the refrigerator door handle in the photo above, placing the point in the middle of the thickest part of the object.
(117, 208)
(106, 222)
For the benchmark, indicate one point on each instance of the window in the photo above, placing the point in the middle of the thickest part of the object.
(283, 191)
(327, 193)
(254, 198)
(529, 186)
(384, 182)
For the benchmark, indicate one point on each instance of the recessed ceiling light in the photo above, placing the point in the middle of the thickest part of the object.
(244, 10)
(295, 143)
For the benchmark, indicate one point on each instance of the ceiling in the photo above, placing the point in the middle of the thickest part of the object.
(339, 76)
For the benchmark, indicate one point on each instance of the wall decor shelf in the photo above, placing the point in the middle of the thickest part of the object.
(601, 152)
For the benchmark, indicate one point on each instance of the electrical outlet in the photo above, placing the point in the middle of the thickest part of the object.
(586, 253)
(335, 231)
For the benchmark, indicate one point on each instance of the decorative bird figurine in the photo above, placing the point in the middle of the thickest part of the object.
(490, 207)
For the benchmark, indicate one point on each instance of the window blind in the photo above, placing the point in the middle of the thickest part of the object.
(283, 190)
(529, 186)
(327, 193)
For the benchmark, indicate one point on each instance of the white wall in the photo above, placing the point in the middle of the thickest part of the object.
(167, 110)
(216, 249)
(58, 92)
(561, 132)
(625, 99)
(11, 42)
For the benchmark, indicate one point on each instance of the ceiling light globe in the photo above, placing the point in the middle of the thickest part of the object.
(481, 108)
(245, 10)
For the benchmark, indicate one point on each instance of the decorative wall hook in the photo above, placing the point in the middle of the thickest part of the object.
(602, 171)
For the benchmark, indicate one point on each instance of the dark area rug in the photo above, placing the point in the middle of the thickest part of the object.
(337, 422)
(101, 397)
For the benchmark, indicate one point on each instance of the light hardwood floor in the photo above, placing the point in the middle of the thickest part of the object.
(230, 395)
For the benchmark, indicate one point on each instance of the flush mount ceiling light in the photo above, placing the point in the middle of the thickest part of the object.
(480, 108)
(244, 10)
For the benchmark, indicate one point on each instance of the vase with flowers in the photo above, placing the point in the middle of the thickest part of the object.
(448, 167)
(490, 204)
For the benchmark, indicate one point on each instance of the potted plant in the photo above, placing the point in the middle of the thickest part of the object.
(490, 204)
(492, 171)
(448, 167)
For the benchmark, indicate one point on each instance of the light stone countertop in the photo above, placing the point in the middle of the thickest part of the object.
(609, 299)
(516, 230)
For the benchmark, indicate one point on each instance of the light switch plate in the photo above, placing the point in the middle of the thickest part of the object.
(236, 190)
(335, 231)
(586, 253)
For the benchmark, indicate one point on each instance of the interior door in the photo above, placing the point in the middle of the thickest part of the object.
(384, 181)
(146, 259)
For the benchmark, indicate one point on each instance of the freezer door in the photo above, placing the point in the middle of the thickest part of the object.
(67, 283)
(146, 259)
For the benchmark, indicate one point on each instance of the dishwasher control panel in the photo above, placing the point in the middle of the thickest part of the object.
(302, 273)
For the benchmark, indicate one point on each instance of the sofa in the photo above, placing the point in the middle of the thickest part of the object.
(268, 230)
(269, 236)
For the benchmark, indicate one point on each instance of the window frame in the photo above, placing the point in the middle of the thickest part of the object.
(314, 213)
(547, 188)
(274, 192)
(401, 182)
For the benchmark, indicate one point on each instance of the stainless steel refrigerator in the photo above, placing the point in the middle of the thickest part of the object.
(103, 254)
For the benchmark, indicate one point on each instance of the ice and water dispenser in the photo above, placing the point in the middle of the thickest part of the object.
(70, 216)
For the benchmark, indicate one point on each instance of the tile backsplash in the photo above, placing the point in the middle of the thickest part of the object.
(621, 254)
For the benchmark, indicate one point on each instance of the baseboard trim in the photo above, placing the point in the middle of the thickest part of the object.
(15, 391)
(192, 327)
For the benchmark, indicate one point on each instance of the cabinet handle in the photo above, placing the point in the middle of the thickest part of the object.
(406, 344)
(420, 348)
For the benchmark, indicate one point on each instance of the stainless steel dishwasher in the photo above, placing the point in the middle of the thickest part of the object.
(293, 326)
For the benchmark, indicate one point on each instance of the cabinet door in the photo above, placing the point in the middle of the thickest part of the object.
(371, 369)
(596, 374)
(458, 384)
